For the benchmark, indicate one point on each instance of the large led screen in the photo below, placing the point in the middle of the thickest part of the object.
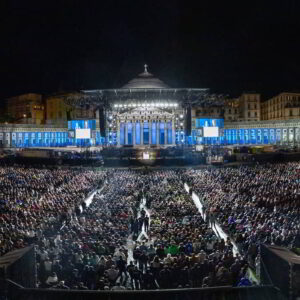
(83, 133)
(210, 131)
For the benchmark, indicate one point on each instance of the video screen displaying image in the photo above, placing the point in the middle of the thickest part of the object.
(210, 131)
(146, 155)
(83, 133)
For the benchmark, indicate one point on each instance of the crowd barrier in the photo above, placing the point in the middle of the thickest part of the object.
(267, 292)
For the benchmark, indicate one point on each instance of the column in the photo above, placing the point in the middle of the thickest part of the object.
(142, 132)
(10, 139)
(150, 132)
(297, 135)
(294, 136)
(97, 121)
(173, 132)
(126, 133)
(157, 132)
(133, 132)
(166, 132)
(118, 133)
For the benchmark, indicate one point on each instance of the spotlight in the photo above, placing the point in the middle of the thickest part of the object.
(181, 116)
(181, 124)
(176, 104)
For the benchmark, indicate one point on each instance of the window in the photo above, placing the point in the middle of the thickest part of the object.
(249, 107)
(249, 115)
(291, 112)
(255, 114)
(254, 106)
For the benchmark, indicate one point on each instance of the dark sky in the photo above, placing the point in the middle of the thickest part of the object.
(50, 46)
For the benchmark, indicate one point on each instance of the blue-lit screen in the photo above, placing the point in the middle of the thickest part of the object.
(82, 124)
(209, 123)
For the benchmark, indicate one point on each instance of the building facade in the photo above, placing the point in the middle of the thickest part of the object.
(26, 109)
(147, 112)
(285, 106)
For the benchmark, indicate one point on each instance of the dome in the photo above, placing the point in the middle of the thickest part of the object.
(145, 80)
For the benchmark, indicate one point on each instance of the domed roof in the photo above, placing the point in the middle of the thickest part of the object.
(145, 80)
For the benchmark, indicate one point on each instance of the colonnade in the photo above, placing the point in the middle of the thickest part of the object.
(140, 132)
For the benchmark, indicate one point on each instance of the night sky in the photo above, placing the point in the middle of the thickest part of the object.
(54, 46)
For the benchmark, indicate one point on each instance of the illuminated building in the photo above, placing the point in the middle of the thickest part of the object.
(146, 112)
(285, 106)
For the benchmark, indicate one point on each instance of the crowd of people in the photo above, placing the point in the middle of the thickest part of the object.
(180, 249)
(253, 204)
(35, 202)
(142, 230)
(91, 251)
